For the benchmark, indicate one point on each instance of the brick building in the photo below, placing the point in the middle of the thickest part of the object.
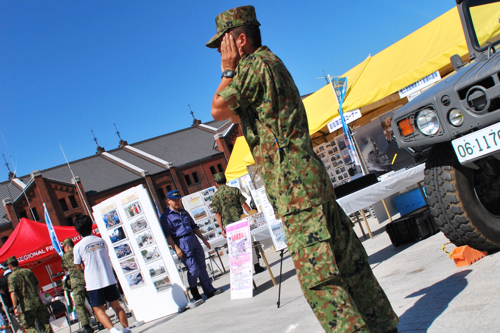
(185, 160)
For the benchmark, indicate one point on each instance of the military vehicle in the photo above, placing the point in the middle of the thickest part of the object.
(459, 118)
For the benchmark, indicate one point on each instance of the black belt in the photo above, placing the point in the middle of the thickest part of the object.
(184, 235)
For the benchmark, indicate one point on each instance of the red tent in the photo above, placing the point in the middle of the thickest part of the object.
(30, 243)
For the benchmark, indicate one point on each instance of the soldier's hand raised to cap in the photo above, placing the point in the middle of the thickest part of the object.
(230, 55)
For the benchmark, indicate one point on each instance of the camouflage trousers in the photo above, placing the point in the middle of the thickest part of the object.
(79, 296)
(41, 314)
(334, 274)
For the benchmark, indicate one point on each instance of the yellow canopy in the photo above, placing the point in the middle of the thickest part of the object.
(240, 158)
(412, 58)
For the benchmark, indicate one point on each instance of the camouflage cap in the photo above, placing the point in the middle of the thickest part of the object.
(232, 18)
(69, 242)
(12, 260)
(220, 177)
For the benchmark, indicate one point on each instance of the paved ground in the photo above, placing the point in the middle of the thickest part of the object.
(426, 289)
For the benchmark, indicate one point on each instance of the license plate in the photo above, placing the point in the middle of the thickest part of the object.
(478, 144)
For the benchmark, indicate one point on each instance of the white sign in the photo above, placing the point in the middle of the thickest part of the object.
(349, 117)
(420, 84)
(239, 245)
(275, 226)
(141, 258)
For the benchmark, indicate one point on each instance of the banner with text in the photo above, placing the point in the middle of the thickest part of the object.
(239, 245)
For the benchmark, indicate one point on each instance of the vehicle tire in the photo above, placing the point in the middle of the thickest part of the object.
(464, 202)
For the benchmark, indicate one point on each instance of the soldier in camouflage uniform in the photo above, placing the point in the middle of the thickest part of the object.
(77, 281)
(23, 288)
(332, 266)
(228, 204)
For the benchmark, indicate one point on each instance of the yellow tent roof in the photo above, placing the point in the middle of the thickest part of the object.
(240, 158)
(412, 58)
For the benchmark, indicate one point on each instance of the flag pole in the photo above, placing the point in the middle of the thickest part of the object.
(76, 183)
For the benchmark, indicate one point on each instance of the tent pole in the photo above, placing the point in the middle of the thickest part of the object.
(49, 272)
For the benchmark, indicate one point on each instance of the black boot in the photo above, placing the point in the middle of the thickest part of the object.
(258, 268)
(195, 293)
(87, 329)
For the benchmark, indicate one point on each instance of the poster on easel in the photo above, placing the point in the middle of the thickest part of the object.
(275, 225)
(239, 244)
(140, 254)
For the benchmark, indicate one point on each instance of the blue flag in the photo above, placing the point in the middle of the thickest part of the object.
(52, 233)
(339, 85)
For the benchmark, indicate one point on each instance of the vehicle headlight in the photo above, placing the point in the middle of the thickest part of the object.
(427, 122)
(456, 117)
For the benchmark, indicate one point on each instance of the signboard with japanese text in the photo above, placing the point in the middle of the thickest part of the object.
(239, 245)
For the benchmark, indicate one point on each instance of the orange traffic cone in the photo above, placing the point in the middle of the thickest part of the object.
(464, 255)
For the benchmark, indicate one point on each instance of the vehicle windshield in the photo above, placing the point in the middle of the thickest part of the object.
(485, 21)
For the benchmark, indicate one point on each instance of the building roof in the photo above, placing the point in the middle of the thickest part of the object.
(97, 174)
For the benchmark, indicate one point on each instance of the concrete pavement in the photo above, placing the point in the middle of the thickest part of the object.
(426, 289)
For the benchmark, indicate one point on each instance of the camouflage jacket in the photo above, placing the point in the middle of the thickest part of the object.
(24, 283)
(227, 202)
(274, 123)
(76, 275)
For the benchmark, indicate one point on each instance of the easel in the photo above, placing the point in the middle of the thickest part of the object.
(281, 270)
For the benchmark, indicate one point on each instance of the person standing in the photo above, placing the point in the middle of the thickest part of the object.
(24, 288)
(332, 266)
(91, 255)
(180, 231)
(228, 204)
(77, 282)
(4, 286)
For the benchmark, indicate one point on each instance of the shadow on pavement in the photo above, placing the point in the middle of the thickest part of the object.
(435, 300)
(387, 252)
(269, 284)
(374, 233)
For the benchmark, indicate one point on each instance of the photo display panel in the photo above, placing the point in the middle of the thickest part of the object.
(140, 254)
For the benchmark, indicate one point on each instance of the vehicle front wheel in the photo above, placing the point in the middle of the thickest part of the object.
(464, 202)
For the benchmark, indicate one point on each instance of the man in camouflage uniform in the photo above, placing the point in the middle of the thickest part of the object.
(77, 282)
(23, 288)
(228, 204)
(332, 266)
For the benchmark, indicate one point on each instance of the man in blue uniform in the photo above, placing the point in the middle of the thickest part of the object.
(181, 231)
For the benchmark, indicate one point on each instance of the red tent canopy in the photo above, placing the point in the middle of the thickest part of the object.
(30, 243)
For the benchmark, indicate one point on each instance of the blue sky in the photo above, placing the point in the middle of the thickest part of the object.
(67, 67)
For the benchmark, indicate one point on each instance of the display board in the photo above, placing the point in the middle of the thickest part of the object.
(275, 225)
(140, 255)
(199, 205)
(239, 245)
(337, 160)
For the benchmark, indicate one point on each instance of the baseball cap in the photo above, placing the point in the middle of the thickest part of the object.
(232, 18)
(174, 194)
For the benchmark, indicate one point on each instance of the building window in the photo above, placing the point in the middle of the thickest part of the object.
(69, 220)
(161, 193)
(23, 214)
(35, 214)
(195, 177)
(4, 239)
(64, 205)
(73, 202)
(212, 170)
(169, 188)
(188, 179)
(219, 166)
(230, 147)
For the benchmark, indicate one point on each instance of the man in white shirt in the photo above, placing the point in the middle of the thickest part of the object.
(91, 254)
